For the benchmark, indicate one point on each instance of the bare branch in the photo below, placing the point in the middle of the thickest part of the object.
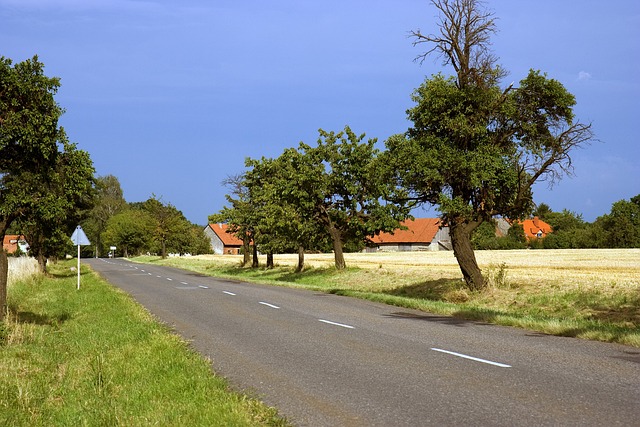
(463, 41)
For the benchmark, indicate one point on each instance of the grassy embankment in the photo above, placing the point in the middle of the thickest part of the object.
(590, 294)
(95, 357)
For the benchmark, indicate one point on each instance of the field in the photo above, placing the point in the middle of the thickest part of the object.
(593, 294)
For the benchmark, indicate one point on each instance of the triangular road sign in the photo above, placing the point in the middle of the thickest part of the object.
(79, 238)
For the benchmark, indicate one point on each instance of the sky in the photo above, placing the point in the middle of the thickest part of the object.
(172, 96)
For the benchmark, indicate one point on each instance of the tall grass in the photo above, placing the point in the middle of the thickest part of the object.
(95, 357)
(21, 268)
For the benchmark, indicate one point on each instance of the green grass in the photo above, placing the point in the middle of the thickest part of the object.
(95, 357)
(595, 313)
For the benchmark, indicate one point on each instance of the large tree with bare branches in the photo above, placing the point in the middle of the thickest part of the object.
(476, 147)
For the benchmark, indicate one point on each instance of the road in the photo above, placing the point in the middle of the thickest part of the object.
(327, 360)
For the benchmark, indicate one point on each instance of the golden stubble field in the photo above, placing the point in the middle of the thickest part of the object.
(566, 268)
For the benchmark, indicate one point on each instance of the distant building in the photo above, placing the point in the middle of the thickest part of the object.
(534, 228)
(422, 234)
(222, 242)
(12, 242)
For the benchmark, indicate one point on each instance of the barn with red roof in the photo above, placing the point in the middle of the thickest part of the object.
(421, 234)
(222, 242)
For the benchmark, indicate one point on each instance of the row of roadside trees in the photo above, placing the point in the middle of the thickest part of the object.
(475, 149)
(312, 199)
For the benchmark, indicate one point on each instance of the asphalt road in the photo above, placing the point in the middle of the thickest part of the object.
(326, 360)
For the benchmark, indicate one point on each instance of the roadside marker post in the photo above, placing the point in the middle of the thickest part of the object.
(79, 239)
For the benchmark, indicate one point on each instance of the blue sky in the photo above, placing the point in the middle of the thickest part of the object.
(172, 96)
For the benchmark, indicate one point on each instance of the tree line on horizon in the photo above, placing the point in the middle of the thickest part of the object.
(137, 228)
(620, 229)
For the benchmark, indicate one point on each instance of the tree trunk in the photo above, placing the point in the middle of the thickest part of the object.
(42, 262)
(163, 246)
(300, 266)
(336, 238)
(463, 251)
(4, 276)
(4, 269)
(270, 260)
(255, 263)
(246, 248)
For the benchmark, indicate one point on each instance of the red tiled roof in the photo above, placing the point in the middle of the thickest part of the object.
(420, 230)
(227, 238)
(535, 225)
(10, 243)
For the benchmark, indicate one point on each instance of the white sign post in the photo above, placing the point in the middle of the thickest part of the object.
(79, 238)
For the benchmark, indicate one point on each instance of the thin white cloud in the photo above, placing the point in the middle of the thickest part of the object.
(584, 76)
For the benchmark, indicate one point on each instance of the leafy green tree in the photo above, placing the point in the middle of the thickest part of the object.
(29, 136)
(240, 215)
(621, 227)
(190, 240)
(542, 211)
(130, 231)
(285, 192)
(476, 148)
(67, 195)
(349, 190)
(516, 236)
(569, 231)
(167, 222)
(109, 201)
(484, 236)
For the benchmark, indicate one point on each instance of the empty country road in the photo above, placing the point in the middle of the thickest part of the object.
(326, 360)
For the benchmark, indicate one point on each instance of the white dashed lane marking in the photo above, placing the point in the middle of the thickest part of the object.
(342, 325)
(464, 356)
(268, 305)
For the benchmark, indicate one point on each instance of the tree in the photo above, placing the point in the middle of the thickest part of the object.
(67, 194)
(284, 190)
(240, 215)
(569, 231)
(29, 136)
(129, 231)
(542, 211)
(168, 222)
(621, 227)
(475, 148)
(109, 201)
(348, 189)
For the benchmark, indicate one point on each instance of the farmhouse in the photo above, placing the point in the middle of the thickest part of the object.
(12, 242)
(534, 228)
(422, 234)
(222, 242)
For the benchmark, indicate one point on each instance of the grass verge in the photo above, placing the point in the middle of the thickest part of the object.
(95, 357)
(576, 298)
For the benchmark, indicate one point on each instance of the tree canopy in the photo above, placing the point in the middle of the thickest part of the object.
(40, 185)
(476, 148)
(313, 194)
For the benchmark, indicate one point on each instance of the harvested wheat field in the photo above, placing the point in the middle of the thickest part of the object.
(566, 267)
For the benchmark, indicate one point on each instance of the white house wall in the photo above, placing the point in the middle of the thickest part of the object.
(216, 244)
